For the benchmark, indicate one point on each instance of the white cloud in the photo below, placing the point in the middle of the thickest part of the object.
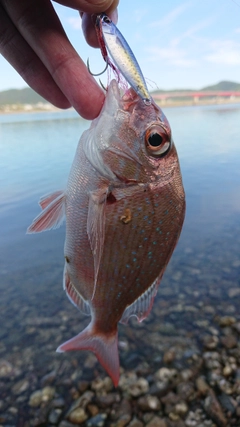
(237, 30)
(193, 30)
(226, 52)
(171, 16)
(75, 22)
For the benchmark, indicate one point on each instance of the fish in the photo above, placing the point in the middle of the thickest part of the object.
(124, 205)
(111, 40)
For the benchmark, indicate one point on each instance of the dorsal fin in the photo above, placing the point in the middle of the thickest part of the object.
(142, 306)
(74, 295)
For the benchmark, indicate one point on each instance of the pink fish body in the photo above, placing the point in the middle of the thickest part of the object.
(124, 206)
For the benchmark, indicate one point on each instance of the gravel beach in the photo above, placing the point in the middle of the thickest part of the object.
(180, 367)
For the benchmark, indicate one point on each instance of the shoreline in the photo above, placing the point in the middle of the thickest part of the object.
(161, 103)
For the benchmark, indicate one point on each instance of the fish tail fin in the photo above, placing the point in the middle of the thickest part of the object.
(105, 347)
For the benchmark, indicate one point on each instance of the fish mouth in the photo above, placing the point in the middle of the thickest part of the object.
(123, 95)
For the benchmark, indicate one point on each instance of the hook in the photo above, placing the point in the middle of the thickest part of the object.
(101, 83)
(99, 74)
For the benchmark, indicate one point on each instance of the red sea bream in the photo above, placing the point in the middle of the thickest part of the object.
(124, 206)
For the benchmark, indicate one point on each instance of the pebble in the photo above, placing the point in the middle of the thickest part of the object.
(20, 386)
(97, 421)
(82, 401)
(169, 356)
(149, 403)
(233, 292)
(54, 416)
(181, 370)
(202, 386)
(48, 393)
(122, 421)
(78, 416)
(156, 422)
(104, 384)
(229, 341)
(227, 370)
(135, 423)
(227, 403)
(227, 320)
(186, 390)
(181, 408)
(93, 409)
(166, 374)
(159, 388)
(106, 400)
(6, 369)
(35, 399)
(133, 385)
(65, 423)
(214, 410)
(210, 341)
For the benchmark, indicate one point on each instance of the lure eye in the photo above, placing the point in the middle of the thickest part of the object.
(157, 141)
(106, 19)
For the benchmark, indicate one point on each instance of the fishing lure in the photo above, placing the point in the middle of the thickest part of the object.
(112, 41)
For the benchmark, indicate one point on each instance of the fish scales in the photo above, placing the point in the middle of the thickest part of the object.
(124, 206)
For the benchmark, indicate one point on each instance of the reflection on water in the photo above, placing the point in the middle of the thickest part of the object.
(196, 312)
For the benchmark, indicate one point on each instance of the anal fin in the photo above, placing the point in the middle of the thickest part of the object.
(143, 305)
(74, 295)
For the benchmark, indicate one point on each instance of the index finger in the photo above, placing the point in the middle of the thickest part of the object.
(41, 28)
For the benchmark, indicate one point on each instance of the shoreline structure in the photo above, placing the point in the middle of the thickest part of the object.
(165, 102)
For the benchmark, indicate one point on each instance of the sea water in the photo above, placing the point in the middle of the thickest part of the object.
(200, 283)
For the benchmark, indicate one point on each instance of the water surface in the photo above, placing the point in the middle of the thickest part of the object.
(36, 152)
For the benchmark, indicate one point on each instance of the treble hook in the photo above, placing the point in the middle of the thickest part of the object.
(99, 74)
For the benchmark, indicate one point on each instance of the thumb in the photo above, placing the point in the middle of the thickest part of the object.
(89, 29)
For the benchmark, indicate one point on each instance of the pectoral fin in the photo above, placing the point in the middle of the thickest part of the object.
(48, 198)
(96, 227)
(52, 216)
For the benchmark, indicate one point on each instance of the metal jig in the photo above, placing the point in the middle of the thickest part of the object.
(99, 74)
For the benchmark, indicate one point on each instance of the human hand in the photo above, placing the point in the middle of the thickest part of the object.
(33, 41)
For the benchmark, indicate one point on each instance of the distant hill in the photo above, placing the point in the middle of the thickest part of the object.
(20, 96)
(224, 86)
(29, 96)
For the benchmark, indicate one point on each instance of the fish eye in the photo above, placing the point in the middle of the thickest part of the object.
(157, 141)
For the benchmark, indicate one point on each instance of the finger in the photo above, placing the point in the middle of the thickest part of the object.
(19, 54)
(91, 6)
(41, 28)
(89, 28)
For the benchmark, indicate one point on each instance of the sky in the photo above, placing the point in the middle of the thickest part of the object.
(177, 43)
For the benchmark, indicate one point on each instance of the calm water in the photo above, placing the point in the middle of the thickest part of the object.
(36, 152)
